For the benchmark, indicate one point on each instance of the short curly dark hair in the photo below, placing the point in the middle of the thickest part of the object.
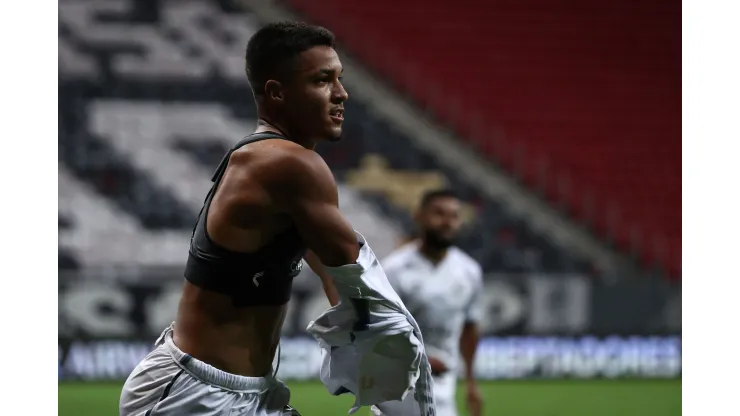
(434, 194)
(272, 48)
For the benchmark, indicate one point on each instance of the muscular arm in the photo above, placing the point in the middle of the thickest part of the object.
(301, 185)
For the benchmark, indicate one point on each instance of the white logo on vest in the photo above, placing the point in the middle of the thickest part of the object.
(254, 278)
(296, 266)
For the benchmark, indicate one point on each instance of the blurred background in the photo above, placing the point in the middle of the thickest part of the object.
(557, 121)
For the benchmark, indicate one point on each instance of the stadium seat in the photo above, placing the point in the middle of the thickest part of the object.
(136, 106)
(590, 90)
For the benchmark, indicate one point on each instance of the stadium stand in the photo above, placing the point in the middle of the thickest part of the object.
(578, 99)
(152, 93)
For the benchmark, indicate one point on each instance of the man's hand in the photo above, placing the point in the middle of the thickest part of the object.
(438, 367)
(474, 400)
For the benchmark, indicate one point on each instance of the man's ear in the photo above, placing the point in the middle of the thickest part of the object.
(274, 90)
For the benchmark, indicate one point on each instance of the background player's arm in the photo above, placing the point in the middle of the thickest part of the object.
(470, 334)
(315, 264)
(301, 185)
(469, 344)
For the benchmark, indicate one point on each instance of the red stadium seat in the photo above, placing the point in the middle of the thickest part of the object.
(592, 88)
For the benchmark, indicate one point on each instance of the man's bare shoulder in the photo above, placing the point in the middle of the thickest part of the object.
(282, 165)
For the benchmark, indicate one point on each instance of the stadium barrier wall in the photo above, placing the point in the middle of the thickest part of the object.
(140, 303)
(498, 358)
(535, 326)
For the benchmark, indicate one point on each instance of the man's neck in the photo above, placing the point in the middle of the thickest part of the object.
(433, 254)
(265, 124)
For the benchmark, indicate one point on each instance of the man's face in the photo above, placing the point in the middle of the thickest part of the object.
(440, 221)
(314, 95)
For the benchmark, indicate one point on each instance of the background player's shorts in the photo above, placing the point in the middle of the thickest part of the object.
(170, 382)
(445, 387)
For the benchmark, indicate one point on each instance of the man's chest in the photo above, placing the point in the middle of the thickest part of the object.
(436, 291)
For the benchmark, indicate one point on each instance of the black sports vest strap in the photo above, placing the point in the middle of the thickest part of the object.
(221, 169)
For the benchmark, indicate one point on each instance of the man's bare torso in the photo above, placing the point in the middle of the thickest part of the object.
(241, 218)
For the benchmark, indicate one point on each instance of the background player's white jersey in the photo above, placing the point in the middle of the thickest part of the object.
(441, 298)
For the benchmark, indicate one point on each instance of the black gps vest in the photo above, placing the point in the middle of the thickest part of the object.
(264, 277)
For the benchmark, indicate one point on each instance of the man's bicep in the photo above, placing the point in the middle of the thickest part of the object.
(307, 193)
(326, 232)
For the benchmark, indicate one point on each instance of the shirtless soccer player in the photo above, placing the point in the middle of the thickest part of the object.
(273, 198)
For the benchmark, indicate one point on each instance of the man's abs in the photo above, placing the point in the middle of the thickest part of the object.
(238, 340)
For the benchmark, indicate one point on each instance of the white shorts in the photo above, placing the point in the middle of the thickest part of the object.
(170, 382)
(445, 389)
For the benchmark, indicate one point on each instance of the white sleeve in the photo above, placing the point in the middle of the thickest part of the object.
(474, 310)
(392, 270)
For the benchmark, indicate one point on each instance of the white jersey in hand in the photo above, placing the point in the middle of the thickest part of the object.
(371, 346)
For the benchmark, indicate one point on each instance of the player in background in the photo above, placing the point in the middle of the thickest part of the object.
(442, 286)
